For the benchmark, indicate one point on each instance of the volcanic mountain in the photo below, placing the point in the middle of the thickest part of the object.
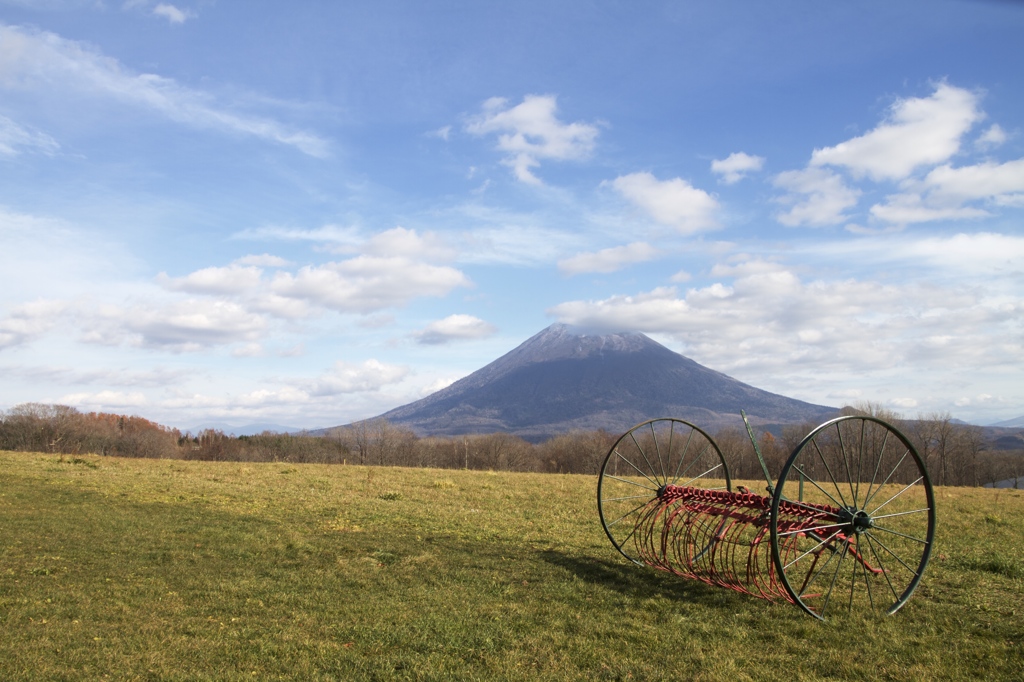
(563, 379)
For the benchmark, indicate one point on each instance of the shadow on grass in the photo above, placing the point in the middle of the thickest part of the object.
(639, 581)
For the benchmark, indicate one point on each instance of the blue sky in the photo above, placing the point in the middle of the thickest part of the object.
(309, 213)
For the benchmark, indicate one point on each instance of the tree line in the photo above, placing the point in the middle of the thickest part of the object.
(955, 453)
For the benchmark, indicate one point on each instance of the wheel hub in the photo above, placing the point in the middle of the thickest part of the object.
(858, 519)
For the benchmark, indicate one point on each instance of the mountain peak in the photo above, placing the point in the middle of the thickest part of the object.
(567, 378)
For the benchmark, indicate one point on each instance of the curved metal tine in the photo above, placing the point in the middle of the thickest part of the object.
(797, 503)
(810, 580)
(682, 457)
(894, 555)
(881, 566)
(644, 455)
(825, 541)
(828, 597)
(623, 458)
(909, 486)
(690, 465)
(882, 484)
(829, 470)
(717, 466)
(846, 462)
(797, 531)
(878, 465)
(815, 484)
(902, 535)
(657, 449)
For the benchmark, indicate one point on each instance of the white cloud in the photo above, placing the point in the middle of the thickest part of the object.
(368, 283)
(670, 202)
(762, 317)
(736, 166)
(454, 328)
(399, 241)
(994, 136)
(942, 193)
(232, 279)
(189, 325)
(29, 321)
(903, 209)
(330, 234)
(172, 13)
(264, 260)
(105, 400)
(531, 132)
(345, 377)
(32, 58)
(608, 260)
(816, 196)
(15, 138)
(918, 132)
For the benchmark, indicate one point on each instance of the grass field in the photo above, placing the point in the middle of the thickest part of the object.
(173, 570)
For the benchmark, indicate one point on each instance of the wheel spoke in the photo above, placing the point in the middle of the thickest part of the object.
(690, 465)
(894, 555)
(682, 456)
(878, 465)
(909, 486)
(626, 480)
(717, 466)
(825, 541)
(644, 455)
(882, 484)
(902, 513)
(657, 448)
(881, 566)
(902, 535)
(829, 470)
(624, 459)
(828, 597)
(631, 511)
(815, 484)
(846, 462)
(621, 499)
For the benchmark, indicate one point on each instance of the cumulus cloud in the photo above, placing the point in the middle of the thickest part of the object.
(345, 377)
(736, 166)
(34, 58)
(816, 197)
(672, 202)
(368, 283)
(918, 131)
(608, 260)
(264, 260)
(15, 139)
(232, 279)
(29, 321)
(105, 400)
(399, 241)
(454, 328)
(530, 132)
(188, 325)
(172, 13)
(763, 317)
(945, 191)
(993, 136)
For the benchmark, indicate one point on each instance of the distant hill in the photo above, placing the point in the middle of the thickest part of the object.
(564, 379)
(1011, 423)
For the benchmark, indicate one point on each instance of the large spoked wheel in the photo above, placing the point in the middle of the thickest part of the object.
(853, 519)
(642, 462)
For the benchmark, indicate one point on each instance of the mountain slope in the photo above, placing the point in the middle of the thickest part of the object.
(563, 379)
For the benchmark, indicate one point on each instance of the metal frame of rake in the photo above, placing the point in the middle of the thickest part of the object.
(849, 525)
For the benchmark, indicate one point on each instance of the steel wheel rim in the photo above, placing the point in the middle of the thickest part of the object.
(869, 550)
(642, 461)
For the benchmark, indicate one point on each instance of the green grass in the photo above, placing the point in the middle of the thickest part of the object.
(173, 570)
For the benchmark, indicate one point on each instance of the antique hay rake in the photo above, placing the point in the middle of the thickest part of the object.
(849, 525)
